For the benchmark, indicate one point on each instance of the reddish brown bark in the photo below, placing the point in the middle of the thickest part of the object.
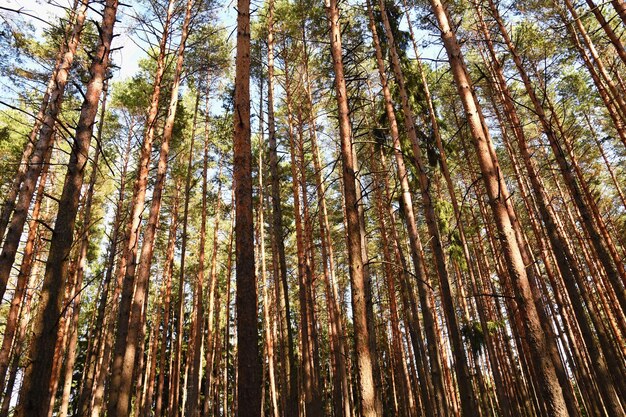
(9, 200)
(11, 330)
(365, 360)
(46, 134)
(174, 391)
(133, 343)
(551, 391)
(34, 393)
(289, 381)
(128, 260)
(468, 403)
(269, 322)
(168, 271)
(248, 398)
(587, 216)
(195, 348)
(341, 391)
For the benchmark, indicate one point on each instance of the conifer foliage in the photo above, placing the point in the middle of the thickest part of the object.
(291, 208)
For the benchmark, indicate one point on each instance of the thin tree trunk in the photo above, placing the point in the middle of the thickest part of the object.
(607, 162)
(168, 267)
(606, 26)
(268, 321)
(416, 249)
(228, 302)
(103, 325)
(399, 367)
(128, 261)
(174, 388)
(18, 348)
(196, 335)
(213, 308)
(365, 360)
(122, 382)
(564, 257)
(289, 381)
(248, 361)
(551, 392)
(312, 403)
(81, 265)
(341, 391)
(10, 343)
(468, 402)
(585, 212)
(9, 200)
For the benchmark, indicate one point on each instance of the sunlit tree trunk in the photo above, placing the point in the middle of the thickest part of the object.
(196, 335)
(268, 321)
(341, 392)
(248, 400)
(81, 264)
(173, 404)
(45, 141)
(367, 388)
(167, 307)
(19, 341)
(468, 403)
(9, 200)
(289, 381)
(563, 255)
(213, 304)
(551, 392)
(11, 342)
(122, 382)
(90, 399)
(128, 260)
(35, 387)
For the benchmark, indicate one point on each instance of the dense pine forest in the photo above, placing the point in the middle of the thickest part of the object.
(297, 208)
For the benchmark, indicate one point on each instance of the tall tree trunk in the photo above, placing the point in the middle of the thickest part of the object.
(104, 324)
(248, 361)
(35, 387)
(229, 262)
(268, 320)
(341, 391)
(603, 91)
(196, 334)
(409, 216)
(608, 30)
(289, 381)
(10, 342)
(566, 170)
(81, 264)
(318, 384)
(134, 340)
(18, 349)
(174, 388)
(312, 403)
(9, 200)
(563, 255)
(45, 141)
(468, 403)
(365, 360)
(213, 312)
(404, 397)
(129, 257)
(551, 392)
(168, 268)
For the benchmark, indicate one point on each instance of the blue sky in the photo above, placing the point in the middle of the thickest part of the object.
(50, 10)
